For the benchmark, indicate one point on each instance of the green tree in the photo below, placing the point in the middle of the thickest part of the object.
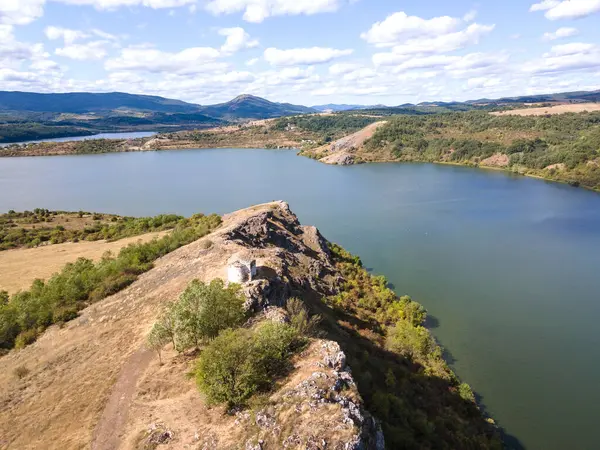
(158, 338)
(203, 310)
(409, 340)
(225, 372)
(241, 362)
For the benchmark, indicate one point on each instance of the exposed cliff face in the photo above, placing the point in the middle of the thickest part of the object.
(93, 383)
(344, 151)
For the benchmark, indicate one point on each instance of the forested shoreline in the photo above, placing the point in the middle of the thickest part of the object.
(563, 147)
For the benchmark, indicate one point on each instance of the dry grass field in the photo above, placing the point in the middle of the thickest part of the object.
(18, 268)
(556, 109)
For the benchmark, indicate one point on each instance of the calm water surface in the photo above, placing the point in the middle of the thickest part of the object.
(508, 267)
(132, 135)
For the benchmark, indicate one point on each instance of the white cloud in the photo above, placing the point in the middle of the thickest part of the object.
(567, 9)
(544, 5)
(20, 12)
(237, 39)
(566, 58)
(400, 26)
(483, 82)
(561, 33)
(67, 35)
(88, 51)
(571, 49)
(115, 4)
(13, 52)
(104, 35)
(343, 68)
(145, 59)
(446, 42)
(252, 62)
(350, 90)
(258, 10)
(303, 56)
(470, 16)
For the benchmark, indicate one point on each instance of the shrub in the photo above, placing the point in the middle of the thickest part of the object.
(25, 338)
(300, 320)
(466, 393)
(203, 310)
(21, 372)
(241, 362)
(410, 341)
(225, 372)
(59, 299)
(158, 338)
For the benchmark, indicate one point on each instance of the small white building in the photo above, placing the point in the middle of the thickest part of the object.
(241, 269)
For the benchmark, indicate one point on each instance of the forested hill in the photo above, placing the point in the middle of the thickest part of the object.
(85, 102)
(30, 116)
(242, 107)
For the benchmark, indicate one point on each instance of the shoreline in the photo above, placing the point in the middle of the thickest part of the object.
(189, 146)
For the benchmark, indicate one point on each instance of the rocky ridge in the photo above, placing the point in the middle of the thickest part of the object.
(94, 384)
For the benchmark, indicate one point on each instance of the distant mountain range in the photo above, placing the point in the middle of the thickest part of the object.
(26, 115)
(251, 107)
(119, 104)
(337, 108)
(578, 96)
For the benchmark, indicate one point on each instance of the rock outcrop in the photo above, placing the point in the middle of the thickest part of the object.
(322, 401)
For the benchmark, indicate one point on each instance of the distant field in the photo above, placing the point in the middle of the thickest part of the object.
(18, 268)
(557, 109)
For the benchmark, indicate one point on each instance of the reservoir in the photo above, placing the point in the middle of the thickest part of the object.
(132, 135)
(507, 266)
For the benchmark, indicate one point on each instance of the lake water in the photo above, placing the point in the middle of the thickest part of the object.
(132, 135)
(507, 266)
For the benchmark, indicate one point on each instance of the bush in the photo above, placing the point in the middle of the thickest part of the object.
(21, 372)
(410, 341)
(81, 283)
(300, 320)
(225, 372)
(25, 338)
(203, 310)
(241, 362)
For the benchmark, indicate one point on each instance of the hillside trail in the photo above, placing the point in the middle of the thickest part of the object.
(108, 431)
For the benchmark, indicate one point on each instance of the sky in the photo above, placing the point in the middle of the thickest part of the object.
(308, 52)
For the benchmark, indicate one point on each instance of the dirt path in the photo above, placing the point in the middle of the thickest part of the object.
(107, 435)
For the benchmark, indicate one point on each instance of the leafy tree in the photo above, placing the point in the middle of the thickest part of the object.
(203, 310)
(225, 373)
(241, 362)
(410, 341)
(158, 338)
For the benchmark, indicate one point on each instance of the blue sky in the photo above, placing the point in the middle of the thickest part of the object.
(301, 51)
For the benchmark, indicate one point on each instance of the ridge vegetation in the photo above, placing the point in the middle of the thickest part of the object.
(26, 314)
(41, 227)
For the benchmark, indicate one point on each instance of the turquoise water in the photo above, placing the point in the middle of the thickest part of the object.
(507, 266)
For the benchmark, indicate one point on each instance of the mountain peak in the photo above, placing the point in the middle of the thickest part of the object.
(244, 97)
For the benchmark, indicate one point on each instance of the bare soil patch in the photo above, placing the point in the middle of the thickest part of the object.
(18, 268)
(556, 109)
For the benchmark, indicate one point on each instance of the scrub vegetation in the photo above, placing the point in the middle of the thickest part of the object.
(399, 368)
(563, 147)
(26, 314)
(41, 227)
(235, 362)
